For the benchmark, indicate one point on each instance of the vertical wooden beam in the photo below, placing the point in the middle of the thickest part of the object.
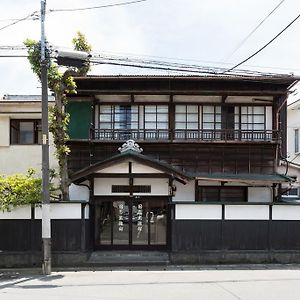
(196, 190)
(91, 242)
(171, 118)
(82, 227)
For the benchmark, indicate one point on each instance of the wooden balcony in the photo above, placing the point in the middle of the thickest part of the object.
(202, 135)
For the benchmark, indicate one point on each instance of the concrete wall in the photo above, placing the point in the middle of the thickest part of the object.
(19, 158)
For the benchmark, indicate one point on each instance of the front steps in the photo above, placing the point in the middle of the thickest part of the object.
(128, 258)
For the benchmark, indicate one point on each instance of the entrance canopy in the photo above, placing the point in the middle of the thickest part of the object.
(131, 155)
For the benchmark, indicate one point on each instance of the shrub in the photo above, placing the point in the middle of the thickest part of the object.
(20, 189)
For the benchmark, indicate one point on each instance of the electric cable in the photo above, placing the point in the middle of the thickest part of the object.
(263, 47)
(253, 30)
(32, 15)
(95, 7)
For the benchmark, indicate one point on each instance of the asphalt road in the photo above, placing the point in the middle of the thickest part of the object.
(226, 284)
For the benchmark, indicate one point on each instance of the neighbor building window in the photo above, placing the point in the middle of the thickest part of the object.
(25, 132)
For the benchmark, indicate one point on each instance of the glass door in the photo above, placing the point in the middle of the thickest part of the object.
(131, 223)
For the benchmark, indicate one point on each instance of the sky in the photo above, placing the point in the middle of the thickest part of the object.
(203, 32)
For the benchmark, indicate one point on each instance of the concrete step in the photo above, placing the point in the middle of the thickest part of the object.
(129, 258)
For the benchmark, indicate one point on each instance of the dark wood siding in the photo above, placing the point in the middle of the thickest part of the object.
(192, 157)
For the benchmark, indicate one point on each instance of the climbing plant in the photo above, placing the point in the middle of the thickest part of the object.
(61, 84)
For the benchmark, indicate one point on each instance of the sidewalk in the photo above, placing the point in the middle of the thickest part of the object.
(215, 282)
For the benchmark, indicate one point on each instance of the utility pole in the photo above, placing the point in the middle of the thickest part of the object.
(46, 222)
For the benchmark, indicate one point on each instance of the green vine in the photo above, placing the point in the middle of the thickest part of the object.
(61, 84)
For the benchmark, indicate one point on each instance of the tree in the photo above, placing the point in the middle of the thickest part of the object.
(61, 84)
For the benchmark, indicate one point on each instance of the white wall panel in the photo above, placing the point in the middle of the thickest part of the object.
(198, 99)
(4, 131)
(159, 186)
(22, 212)
(118, 168)
(102, 186)
(139, 168)
(184, 192)
(286, 212)
(247, 212)
(198, 212)
(61, 211)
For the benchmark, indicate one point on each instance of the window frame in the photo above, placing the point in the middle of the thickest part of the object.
(140, 123)
(219, 188)
(37, 130)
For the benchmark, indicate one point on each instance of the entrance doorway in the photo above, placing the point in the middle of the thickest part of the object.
(131, 223)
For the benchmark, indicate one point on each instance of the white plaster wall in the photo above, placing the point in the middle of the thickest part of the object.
(199, 99)
(114, 98)
(293, 122)
(151, 98)
(247, 212)
(198, 212)
(61, 211)
(4, 131)
(123, 168)
(22, 212)
(286, 212)
(159, 186)
(118, 168)
(269, 118)
(139, 168)
(102, 186)
(87, 212)
(19, 158)
(79, 192)
(184, 192)
(259, 194)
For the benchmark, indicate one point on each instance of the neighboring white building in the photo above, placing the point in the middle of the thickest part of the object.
(20, 134)
(293, 145)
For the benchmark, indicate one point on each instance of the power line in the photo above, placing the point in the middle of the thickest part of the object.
(263, 47)
(33, 15)
(151, 63)
(252, 31)
(95, 7)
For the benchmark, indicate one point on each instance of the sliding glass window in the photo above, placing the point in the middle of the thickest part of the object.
(187, 117)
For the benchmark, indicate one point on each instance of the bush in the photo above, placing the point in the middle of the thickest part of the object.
(19, 189)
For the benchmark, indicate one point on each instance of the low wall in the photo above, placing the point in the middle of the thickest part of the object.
(21, 232)
(235, 233)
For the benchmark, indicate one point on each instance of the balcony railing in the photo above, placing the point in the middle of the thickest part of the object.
(184, 135)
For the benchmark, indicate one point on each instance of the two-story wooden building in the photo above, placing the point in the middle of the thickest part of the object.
(184, 167)
(183, 164)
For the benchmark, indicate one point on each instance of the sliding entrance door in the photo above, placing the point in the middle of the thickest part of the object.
(131, 223)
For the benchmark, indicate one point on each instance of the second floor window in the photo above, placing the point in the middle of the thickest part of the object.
(133, 117)
(25, 132)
